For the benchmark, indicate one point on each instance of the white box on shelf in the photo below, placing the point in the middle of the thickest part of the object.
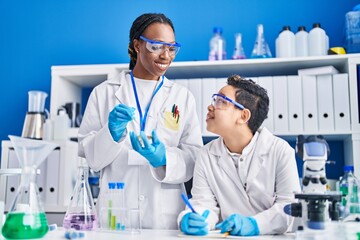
(317, 71)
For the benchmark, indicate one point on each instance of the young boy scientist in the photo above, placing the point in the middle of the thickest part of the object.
(243, 179)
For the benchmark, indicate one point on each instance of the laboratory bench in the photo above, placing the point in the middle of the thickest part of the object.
(146, 234)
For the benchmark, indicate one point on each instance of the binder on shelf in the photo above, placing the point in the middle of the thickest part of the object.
(13, 182)
(182, 82)
(208, 88)
(41, 180)
(220, 83)
(281, 114)
(255, 79)
(266, 82)
(325, 103)
(195, 89)
(341, 102)
(309, 94)
(295, 100)
(52, 177)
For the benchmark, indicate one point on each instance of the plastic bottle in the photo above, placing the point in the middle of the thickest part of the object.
(261, 48)
(286, 43)
(318, 41)
(61, 125)
(301, 42)
(349, 185)
(352, 30)
(238, 50)
(217, 46)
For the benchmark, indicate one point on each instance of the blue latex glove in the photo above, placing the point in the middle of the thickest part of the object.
(195, 224)
(239, 225)
(118, 120)
(155, 153)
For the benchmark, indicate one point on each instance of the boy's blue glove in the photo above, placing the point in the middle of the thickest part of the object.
(155, 153)
(118, 120)
(195, 224)
(239, 225)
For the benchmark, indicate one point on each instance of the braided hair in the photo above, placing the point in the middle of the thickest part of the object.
(253, 97)
(139, 26)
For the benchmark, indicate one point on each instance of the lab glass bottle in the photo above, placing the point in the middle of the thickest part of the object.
(217, 45)
(261, 48)
(238, 50)
(81, 212)
(344, 188)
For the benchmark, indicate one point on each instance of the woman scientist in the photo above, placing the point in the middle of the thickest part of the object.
(243, 179)
(141, 129)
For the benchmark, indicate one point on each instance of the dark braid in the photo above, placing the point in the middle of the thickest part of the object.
(139, 26)
(253, 97)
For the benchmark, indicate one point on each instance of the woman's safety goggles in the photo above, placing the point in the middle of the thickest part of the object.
(160, 47)
(222, 102)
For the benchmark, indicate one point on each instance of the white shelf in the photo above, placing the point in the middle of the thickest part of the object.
(68, 82)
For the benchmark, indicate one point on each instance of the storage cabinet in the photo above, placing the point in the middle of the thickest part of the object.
(68, 82)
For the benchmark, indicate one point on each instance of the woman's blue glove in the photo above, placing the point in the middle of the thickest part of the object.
(239, 225)
(118, 120)
(195, 224)
(155, 153)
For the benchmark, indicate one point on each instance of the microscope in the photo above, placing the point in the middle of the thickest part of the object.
(316, 206)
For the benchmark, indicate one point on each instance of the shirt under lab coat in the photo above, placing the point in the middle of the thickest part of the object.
(156, 191)
(270, 183)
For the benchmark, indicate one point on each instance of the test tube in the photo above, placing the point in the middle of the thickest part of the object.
(111, 218)
(121, 198)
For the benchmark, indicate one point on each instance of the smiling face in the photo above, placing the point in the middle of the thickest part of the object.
(223, 120)
(151, 65)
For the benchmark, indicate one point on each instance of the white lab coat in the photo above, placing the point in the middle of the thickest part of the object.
(271, 183)
(156, 191)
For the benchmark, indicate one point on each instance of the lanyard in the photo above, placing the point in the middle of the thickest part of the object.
(143, 119)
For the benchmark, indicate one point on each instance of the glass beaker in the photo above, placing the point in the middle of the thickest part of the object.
(81, 213)
(36, 101)
(26, 217)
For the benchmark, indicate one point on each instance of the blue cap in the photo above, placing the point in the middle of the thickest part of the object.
(120, 185)
(217, 30)
(348, 168)
(111, 185)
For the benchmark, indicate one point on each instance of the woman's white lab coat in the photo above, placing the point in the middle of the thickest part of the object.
(156, 191)
(270, 185)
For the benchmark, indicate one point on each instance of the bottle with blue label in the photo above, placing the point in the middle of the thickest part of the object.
(217, 45)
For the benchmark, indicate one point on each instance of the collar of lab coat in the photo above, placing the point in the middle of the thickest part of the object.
(262, 148)
(125, 92)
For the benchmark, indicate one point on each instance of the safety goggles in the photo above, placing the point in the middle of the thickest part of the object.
(222, 102)
(160, 47)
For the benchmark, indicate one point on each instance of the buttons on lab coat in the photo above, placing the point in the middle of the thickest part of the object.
(141, 197)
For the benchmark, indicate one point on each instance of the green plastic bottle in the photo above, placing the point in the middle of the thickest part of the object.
(21, 225)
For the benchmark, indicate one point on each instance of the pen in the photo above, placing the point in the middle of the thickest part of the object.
(186, 200)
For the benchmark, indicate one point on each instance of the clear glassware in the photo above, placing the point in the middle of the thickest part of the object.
(26, 218)
(261, 48)
(238, 50)
(81, 212)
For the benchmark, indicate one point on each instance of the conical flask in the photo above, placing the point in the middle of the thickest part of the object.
(261, 48)
(81, 213)
(26, 218)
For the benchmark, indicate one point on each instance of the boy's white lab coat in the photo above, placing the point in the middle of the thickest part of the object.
(271, 182)
(156, 191)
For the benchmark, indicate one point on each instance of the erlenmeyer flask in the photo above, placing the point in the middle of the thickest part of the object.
(26, 218)
(81, 213)
(261, 48)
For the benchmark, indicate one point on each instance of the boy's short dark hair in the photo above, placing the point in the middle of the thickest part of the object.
(253, 97)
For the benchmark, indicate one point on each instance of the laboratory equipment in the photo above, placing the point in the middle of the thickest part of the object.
(81, 213)
(318, 41)
(73, 111)
(238, 50)
(26, 218)
(285, 46)
(350, 205)
(316, 206)
(301, 42)
(261, 48)
(217, 45)
(35, 116)
(352, 30)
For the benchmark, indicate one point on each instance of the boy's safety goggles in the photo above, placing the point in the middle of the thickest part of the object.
(160, 47)
(222, 102)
